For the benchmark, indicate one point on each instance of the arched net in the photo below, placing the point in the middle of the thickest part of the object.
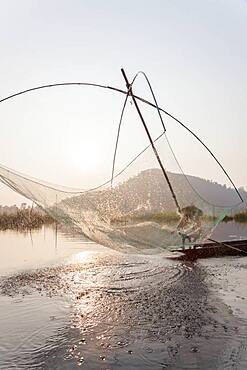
(136, 211)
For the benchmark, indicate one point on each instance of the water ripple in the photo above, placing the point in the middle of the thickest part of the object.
(130, 311)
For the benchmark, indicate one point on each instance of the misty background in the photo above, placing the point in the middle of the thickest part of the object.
(193, 52)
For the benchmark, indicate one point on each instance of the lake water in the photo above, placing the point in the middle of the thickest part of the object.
(71, 304)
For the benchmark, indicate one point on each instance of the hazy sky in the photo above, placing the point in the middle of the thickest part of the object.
(194, 52)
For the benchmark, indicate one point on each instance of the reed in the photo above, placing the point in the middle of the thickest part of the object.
(161, 217)
(23, 219)
(240, 217)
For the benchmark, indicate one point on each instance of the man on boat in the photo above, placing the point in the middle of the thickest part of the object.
(189, 227)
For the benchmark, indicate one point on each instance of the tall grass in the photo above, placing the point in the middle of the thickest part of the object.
(161, 217)
(23, 219)
(241, 217)
(238, 217)
(172, 217)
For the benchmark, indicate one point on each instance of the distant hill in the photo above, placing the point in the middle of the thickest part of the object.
(148, 192)
(151, 185)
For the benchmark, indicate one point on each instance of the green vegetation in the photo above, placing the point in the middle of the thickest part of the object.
(241, 217)
(238, 217)
(24, 219)
(162, 217)
(172, 217)
(227, 218)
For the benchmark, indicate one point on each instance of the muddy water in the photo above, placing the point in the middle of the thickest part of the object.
(73, 304)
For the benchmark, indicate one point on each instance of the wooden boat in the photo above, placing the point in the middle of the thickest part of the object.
(214, 249)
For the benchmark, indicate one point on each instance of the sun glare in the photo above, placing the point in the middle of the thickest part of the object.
(83, 257)
(84, 158)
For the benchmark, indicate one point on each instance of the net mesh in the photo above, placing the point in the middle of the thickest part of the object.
(136, 211)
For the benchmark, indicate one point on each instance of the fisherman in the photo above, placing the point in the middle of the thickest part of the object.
(189, 227)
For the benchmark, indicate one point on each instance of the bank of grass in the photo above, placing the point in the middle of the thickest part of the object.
(169, 217)
(161, 217)
(238, 217)
(24, 220)
(241, 217)
(173, 217)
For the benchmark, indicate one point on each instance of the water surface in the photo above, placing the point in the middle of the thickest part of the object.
(71, 304)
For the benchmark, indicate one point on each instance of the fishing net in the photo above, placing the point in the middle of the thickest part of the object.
(133, 207)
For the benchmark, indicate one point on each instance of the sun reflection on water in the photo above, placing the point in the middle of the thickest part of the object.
(84, 256)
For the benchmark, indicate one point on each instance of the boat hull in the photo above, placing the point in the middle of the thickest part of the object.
(212, 249)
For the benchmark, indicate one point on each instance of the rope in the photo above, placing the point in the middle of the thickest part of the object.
(187, 179)
(151, 142)
(138, 98)
(78, 191)
(118, 134)
(227, 245)
(122, 114)
(154, 98)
